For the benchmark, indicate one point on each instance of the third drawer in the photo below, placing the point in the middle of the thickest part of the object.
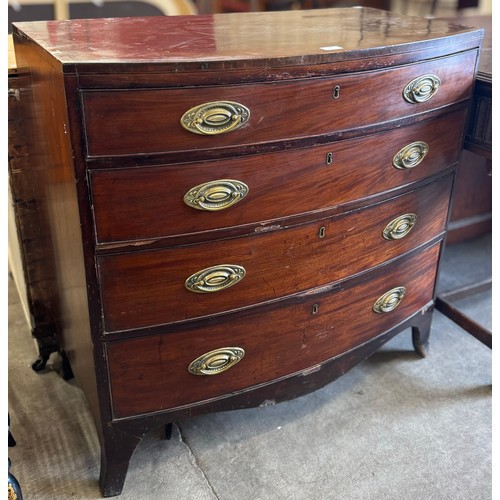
(154, 287)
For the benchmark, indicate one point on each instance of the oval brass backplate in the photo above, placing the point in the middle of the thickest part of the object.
(411, 155)
(399, 227)
(216, 195)
(390, 300)
(421, 89)
(215, 279)
(216, 361)
(213, 118)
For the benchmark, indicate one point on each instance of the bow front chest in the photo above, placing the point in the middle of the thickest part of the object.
(240, 207)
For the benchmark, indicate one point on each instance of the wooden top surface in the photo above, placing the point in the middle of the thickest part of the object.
(291, 37)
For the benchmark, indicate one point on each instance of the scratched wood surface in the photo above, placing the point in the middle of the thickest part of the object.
(296, 37)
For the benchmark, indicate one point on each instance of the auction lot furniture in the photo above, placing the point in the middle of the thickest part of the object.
(240, 207)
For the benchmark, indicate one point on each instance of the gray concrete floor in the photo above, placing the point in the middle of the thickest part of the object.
(396, 427)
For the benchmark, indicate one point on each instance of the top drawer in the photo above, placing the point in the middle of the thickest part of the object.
(145, 121)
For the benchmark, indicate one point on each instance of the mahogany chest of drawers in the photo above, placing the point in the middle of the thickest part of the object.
(241, 207)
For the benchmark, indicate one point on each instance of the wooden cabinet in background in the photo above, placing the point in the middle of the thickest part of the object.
(471, 215)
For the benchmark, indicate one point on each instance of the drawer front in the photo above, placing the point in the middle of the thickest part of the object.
(142, 289)
(144, 121)
(151, 373)
(140, 203)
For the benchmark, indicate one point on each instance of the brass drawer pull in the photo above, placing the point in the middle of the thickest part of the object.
(390, 300)
(421, 89)
(216, 195)
(399, 227)
(213, 118)
(411, 155)
(217, 361)
(215, 279)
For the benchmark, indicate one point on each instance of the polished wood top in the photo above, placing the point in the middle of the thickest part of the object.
(275, 38)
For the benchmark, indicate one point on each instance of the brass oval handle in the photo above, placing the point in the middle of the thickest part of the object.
(215, 278)
(399, 227)
(213, 118)
(216, 361)
(421, 89)
(216, 195)
(411, 155)
(390, 300)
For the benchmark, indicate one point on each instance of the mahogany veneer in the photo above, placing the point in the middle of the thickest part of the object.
(143, 289)
(147, 374)
(124, 199)
(241, 207)
(148, 118)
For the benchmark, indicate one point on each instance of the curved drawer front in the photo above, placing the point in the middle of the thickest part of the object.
(142, 289)
(141, 203)
(156, 372)
(144, 121)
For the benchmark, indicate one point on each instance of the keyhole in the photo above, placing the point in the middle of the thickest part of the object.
(315, 309)
(329, 158)
(336, 92)
(322, 232)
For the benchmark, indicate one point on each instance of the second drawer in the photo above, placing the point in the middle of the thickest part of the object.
(140, 203)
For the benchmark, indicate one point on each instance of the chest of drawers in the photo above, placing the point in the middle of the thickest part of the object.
(240, 207)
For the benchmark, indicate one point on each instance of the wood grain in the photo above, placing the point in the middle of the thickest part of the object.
(226, 42)
(142, 289)
(109, 155)
(150, 374)
(146, 203)
(127, 122)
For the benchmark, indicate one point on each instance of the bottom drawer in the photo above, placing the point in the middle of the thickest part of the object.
(152, 373)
